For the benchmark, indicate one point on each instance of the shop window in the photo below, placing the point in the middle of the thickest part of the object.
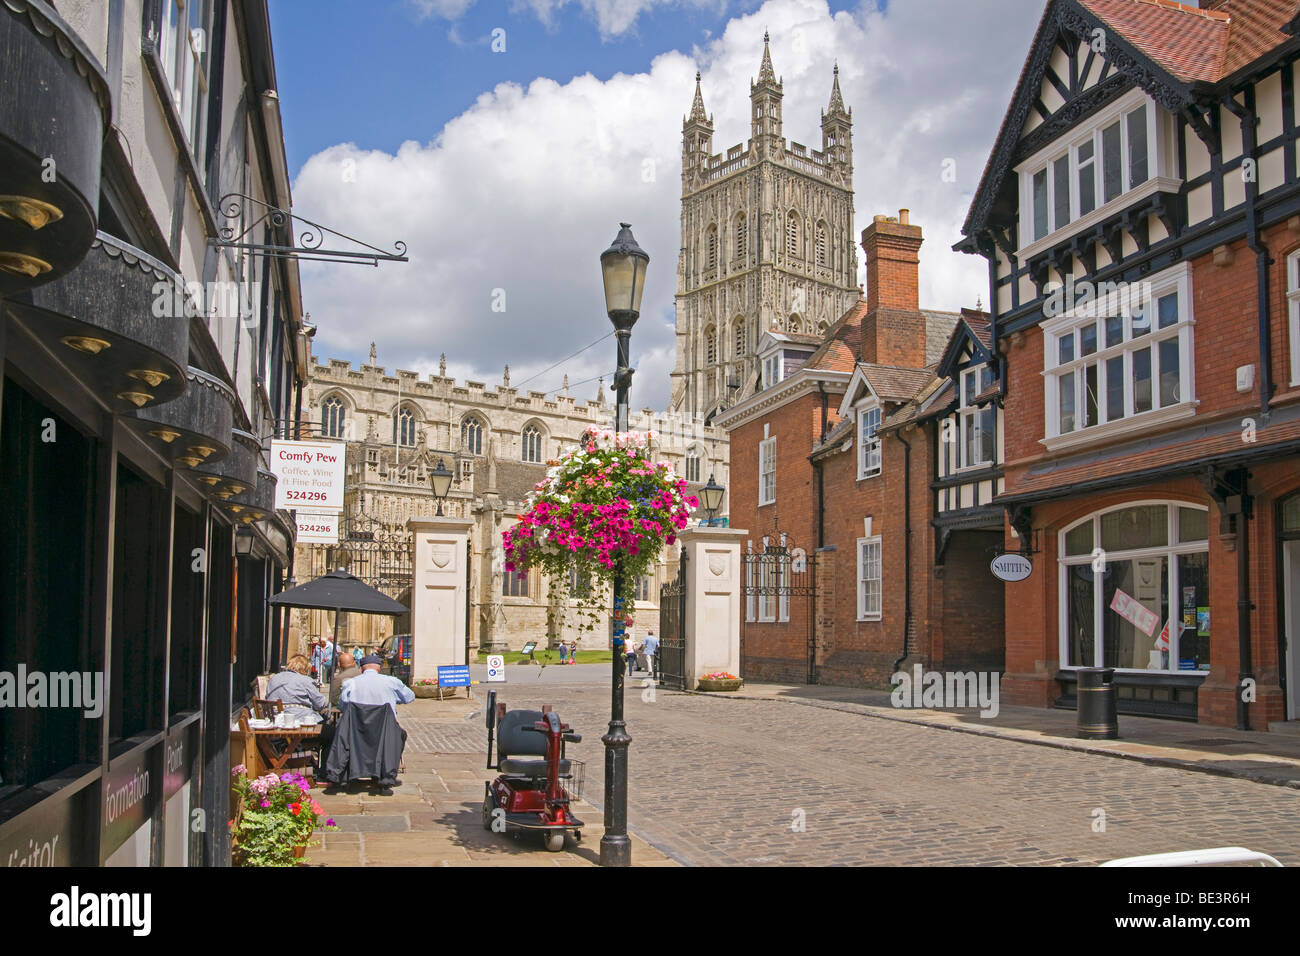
(187, 613)
(1139, 600)
(47, 494)
(138, 638)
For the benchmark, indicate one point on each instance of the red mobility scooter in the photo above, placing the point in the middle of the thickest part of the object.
(531, 795)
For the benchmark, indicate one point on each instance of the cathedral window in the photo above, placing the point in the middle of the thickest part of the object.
(741, 236)
(740, 338)
(693, 465)
(710, 346)
(821, 243)
(403, 426)
(332, 417)
(792, 244)
(471, 435)
(711, 241)
(532, 443)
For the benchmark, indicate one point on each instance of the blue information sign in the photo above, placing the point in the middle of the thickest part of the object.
(455, 675)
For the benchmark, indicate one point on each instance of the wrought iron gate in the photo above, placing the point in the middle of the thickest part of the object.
(778, 594)
(672, 630)
(378, 554)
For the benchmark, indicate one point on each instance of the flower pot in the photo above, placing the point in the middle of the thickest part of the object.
(720, 685)
(299, 852)
(437, 693)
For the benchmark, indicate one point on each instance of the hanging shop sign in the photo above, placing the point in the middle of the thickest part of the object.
(309, 473)
(318, 527)
(1011, 567)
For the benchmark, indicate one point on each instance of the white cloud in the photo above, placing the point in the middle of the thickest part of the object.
(523, 191)
(612, 17)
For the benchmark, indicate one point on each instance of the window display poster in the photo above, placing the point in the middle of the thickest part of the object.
(1202, 622)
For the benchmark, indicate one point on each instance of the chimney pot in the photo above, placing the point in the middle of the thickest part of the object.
(902, 216)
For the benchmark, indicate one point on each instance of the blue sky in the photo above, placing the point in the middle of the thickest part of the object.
(507, 174)
(387, 75)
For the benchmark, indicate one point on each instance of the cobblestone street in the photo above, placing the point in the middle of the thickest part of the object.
(721, 781)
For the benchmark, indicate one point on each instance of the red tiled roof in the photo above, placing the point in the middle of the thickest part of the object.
(839, 350)
(895, 384)
(1194, 44)
(980, 326)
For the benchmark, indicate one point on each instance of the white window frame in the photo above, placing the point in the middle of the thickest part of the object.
(1172, 550)
(1293, 313)
(869, 417)
(767, 472)
(181, 47)
(1161, 171)
(773, 366)
(865, 612)
(1177, 279)
(969, 414)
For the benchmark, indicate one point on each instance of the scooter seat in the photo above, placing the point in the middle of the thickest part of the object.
(530, 768)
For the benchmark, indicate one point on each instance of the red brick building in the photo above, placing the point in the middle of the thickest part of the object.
(847, 468)
(1140, 214)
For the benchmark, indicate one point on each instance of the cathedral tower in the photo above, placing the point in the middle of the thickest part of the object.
(767, 242)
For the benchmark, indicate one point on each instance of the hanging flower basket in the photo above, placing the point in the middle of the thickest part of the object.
(604, 509)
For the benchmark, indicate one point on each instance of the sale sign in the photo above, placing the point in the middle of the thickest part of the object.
(318, 527)
(310, 474)
(1131, 610)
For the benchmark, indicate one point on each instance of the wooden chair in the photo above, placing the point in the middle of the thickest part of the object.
(267, 709)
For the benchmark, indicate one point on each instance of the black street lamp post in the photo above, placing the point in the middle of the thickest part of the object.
(711, 497)
(440, 479)
(623, 267)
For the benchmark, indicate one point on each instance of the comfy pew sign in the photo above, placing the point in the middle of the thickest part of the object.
(309, 473)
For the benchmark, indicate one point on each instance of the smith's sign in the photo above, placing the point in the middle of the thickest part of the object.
(1011, 567)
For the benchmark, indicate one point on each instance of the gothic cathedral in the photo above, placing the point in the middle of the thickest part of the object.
(767, 243)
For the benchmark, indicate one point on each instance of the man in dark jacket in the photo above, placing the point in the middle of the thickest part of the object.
(369, 741)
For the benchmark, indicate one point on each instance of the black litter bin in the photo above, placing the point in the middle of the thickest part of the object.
(1097, 719)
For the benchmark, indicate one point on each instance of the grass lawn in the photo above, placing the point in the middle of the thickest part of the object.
(544, 656)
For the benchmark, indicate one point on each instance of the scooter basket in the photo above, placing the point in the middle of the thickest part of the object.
(576, 779)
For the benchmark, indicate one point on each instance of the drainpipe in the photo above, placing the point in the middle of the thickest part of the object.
(907, 546)
(821, 483)
(1249, 142)
(1243, 610)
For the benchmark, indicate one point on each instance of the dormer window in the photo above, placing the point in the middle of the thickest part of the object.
(772, 368)
(1120, 150)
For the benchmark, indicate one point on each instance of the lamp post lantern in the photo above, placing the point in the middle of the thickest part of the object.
(711, 497)
(440, 479)
(622, 268)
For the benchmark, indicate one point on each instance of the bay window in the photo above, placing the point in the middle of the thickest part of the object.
(1120, 359)
(868, 444)
(1112, 156)
(1134, 589)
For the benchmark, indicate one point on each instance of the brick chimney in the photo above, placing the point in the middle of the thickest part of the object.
(891, 246)
(893, 329)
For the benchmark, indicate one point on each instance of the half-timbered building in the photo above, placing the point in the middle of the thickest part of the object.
(1140, 215)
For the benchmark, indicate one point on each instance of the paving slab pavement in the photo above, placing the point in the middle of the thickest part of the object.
(433, 818)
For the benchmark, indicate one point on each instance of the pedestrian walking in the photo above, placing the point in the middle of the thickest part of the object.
(651, 649)
(631, 656)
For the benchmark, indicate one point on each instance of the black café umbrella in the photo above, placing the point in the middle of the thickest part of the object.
(339, 591)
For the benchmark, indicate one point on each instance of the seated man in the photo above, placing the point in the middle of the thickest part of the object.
(366, 747)
(347, 669)
(372, 687)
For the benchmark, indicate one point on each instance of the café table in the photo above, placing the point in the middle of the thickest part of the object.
(294, 739)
